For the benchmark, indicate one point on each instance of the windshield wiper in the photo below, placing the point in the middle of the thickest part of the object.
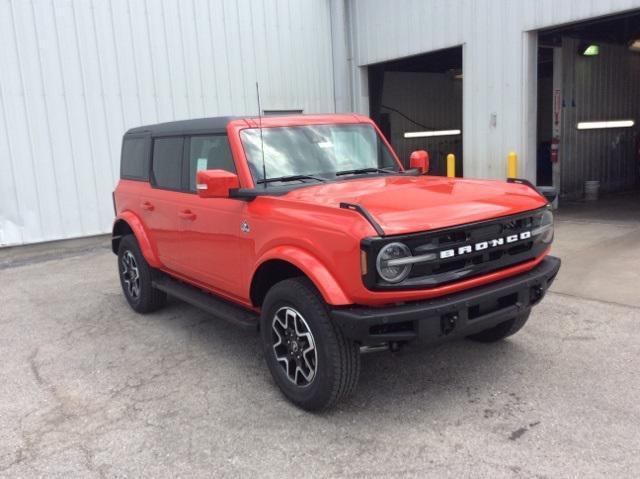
(291, 178)
(362, 171)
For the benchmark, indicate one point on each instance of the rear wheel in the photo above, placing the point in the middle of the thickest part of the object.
(136, 278)
(310, 359)
(502, 330)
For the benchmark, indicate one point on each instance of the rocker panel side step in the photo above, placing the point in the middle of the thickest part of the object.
(208, 302)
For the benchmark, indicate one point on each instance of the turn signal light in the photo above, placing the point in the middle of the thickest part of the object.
(363, 262)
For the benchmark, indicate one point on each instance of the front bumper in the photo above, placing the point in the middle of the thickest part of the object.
(456, 315)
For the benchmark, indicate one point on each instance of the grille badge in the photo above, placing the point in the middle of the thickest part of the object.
(483, 245)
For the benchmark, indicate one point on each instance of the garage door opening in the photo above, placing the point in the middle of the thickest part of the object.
(417, 102)
(588, 127)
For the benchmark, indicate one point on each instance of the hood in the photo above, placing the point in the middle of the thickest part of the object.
(407, 204)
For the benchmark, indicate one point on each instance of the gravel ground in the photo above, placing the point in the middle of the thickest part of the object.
(91, 389)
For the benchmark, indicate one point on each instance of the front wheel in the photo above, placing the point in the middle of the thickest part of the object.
(502, 330)
(310, 359)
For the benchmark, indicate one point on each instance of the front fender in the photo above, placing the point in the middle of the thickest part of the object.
(313, 268)
(136, 225)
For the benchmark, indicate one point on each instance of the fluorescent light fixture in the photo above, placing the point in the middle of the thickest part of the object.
(423, 134)
(634, 45)
(589, 49)
(594, 125)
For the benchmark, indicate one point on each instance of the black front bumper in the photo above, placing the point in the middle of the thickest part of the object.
(447, 317)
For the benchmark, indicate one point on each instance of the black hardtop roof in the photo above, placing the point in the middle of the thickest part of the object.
(216, 124)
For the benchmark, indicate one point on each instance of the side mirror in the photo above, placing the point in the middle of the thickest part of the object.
(419, 159)
(215, 183)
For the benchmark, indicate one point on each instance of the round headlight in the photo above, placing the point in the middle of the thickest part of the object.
(389, 262)
(545, 230)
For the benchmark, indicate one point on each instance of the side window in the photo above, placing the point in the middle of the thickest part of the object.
(209, 153)
(167, 163)
(134, 163)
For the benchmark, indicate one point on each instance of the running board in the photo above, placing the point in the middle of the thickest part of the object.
(208, 302)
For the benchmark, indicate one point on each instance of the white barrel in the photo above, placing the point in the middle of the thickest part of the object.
(591, 190)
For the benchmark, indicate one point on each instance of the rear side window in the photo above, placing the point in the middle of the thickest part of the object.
(209, 153)
(135, 159)
(167, 163)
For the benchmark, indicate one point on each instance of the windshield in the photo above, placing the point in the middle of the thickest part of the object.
(316, 152)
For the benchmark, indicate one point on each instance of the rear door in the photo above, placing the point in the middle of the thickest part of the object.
(209, 227)
(159, 206)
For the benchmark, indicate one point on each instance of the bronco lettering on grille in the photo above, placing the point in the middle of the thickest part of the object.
(482, 245)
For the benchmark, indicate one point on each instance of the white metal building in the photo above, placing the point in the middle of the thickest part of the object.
(75, 74)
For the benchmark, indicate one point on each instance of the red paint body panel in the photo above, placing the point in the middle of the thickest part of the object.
(405, 204)
(200, 241)
(207, 245)
(313, 268)
(139, 230)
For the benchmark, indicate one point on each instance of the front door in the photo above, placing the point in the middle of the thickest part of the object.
(210, 227)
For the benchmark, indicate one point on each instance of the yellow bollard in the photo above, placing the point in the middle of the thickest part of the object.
(512, 165)
(451, 165)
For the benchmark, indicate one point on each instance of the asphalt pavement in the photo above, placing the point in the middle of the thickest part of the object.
(91, 389)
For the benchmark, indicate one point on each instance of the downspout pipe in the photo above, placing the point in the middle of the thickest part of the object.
(341, 55)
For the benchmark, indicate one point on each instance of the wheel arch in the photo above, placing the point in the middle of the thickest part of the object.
(289, 262)
(129, 223)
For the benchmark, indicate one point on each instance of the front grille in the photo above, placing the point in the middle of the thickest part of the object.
(465, 262)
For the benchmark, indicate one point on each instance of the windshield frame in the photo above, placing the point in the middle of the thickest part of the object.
(258, 183)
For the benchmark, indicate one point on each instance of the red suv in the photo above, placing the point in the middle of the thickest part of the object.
(309, 229)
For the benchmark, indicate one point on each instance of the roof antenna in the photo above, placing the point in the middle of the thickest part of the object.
(264, 166)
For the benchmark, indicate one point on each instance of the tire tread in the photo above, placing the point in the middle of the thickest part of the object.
(152, 299)
(344, 355)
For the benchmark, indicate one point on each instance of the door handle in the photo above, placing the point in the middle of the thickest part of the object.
(187, 215)
(145, 205)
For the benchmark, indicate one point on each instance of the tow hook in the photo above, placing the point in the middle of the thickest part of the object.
(448, 323)
(537, 292)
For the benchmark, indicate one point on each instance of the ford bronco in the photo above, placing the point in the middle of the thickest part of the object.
(310, 230)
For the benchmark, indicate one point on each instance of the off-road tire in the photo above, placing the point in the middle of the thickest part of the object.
(502, 330)
(148, 299)
(338, 358)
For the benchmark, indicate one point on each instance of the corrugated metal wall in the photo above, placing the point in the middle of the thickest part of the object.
(77, 73)
(605, 87)
(432, 99)
(499, 60)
